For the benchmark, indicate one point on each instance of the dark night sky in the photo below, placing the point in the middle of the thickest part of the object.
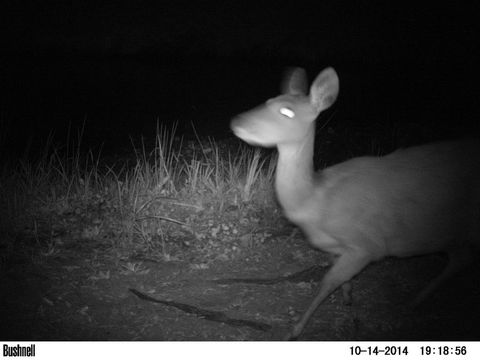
(376, 29)
(122, 66)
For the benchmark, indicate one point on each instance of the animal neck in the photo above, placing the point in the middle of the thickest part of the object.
(294, 180)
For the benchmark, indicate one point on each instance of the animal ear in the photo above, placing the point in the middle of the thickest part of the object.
(324, 89)
(295, 82)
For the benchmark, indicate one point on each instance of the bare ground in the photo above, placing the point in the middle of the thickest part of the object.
(83, 291)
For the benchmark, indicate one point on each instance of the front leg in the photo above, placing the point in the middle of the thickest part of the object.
(346, 267)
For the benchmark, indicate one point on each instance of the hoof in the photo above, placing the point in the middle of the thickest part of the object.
(289, 337)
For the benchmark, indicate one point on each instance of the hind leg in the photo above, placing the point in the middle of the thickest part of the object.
(458, 259)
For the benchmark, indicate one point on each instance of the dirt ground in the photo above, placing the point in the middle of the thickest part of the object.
(88, 290)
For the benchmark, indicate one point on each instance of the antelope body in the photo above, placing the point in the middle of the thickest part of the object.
(414, 201)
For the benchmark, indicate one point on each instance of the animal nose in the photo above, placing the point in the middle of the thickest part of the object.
(235, 126)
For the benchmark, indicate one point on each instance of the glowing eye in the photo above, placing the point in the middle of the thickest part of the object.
(287, 112)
